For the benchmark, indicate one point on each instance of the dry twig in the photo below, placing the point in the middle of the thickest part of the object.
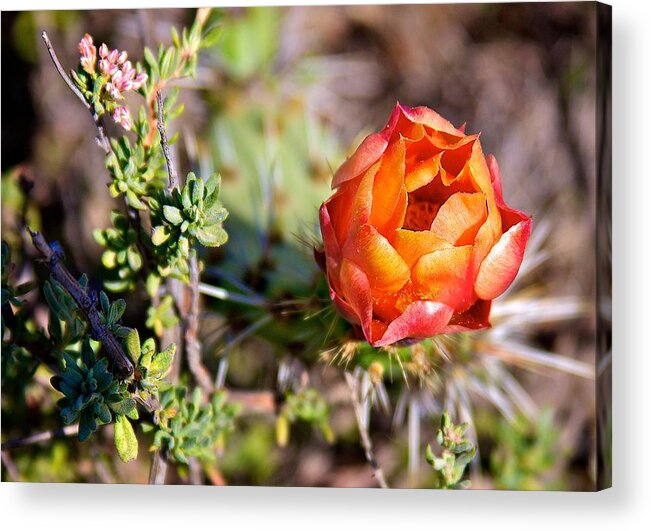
(87, 304)
(102, 139)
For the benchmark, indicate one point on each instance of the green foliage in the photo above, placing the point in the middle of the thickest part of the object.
(185, 217)
(162, 316)
(249, 42)
(91, 394)
(180, 59)
(525, 452)
(457, 452)
(151, 366)
(18, 365)
(186, 427)
(121, 257)
(65, 325)
(308, 406)
(138, 169)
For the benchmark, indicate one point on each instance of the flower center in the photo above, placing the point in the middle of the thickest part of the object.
(420, 214)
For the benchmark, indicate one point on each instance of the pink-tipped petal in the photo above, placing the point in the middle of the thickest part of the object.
(421, 319)
(368, 152)
(499, 268)
(496, 176)
(429, 118)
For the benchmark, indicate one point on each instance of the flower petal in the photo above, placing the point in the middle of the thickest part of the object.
(330, 244)
(446, 276)
(356, 290)
(496, 176)
(474, 318)
(499, 268)
(460, 217)
(368, 152)
(429, 118)
(372, 252)
(422, 173)
(411, 244)
(421, 319)
(388, 184)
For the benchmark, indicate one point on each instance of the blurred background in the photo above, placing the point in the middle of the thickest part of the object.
(277, 104)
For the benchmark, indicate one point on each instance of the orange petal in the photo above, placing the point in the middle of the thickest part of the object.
(446, 276)
(429, 118)
(363, 199)
(397, 219)
(388, 184)
(499, 268)
(368, 152)
(356, 292)
(421, 319)
(455, 158)
(330, 244)
(340, 210)
(411, 244)
(422, 173)
(460, 217)
(372, 252)
(479, 171)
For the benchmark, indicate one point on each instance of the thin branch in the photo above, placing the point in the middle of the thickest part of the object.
(224, 295)
(192, 344)
(86, 303)
(159, 463)
(158, 470)
(44, 436)
(173, 177)
(12, 469)
(363, 431)
(102, 139)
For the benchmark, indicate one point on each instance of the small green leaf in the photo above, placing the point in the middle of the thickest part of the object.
(133, 345)
(159, 235)
(172, 214)
(123, 407)
(211, 236)
(125, 439)
(162, 361)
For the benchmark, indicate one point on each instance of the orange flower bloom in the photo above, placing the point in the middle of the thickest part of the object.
(417, 238)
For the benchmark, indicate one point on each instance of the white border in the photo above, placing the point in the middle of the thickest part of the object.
(627, 506)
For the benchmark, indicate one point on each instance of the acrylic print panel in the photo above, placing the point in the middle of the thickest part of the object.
(268, 246)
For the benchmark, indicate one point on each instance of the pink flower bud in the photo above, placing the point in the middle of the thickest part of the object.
(121, 116)
(103, 51)
(122, 58)
(140, 79)
(88, 54)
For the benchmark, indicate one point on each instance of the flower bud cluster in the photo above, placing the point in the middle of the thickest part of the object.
(118, 75)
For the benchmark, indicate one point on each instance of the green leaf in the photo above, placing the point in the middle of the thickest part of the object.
(133, 345)
(117, 310)
(123, 407)
(211, 236)
(172, 214)
(159, 235)
(162, 361)
(197, 191)
(125, 439)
